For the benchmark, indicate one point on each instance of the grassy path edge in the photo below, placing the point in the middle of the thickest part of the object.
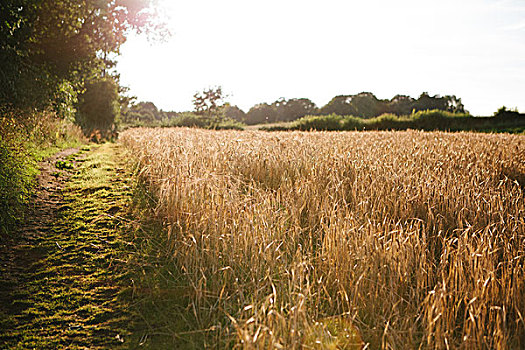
(63, 275)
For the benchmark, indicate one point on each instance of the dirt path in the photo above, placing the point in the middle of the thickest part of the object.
(60, 275)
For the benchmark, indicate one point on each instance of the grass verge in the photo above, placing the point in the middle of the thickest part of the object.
(63, 278)
(23, 143)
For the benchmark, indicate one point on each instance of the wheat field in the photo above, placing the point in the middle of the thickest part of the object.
(391, 240)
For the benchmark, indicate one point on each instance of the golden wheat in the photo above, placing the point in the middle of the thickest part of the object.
(298, 240)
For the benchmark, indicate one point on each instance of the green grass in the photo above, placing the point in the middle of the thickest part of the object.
(24, 141)
(17, 171)
(160, 293)
(70, 296)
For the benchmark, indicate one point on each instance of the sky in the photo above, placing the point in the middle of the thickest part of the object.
(259, 51)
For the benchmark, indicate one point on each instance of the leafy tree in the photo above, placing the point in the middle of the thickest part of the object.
(143, 112)
(339, 105)
(46, 42)
(261, 113)
(292, 109)
(367, 105)
(401, 105)
(454, 104)
(448, 103)
(509, 114)
(427, 102)
(209, 101)
(233, 112)
(99, 107)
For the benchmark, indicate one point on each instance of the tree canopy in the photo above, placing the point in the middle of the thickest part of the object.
(44, 43)
(367, 105)
(209, 101)
(98, 107)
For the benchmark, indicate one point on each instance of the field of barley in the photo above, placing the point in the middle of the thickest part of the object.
(392, 240)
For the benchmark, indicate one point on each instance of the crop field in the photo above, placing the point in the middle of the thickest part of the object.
(323, 240)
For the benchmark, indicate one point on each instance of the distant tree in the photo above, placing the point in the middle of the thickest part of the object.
(233, 112)
(401, 105)
(340, 105)
(143, 112)
(292, 109)
(261, 113)
(427, 102)
(367, 105)
(449, 103)
(454, 104)
(504, 113)
(209, 101)
(364, 104)
(149, 108)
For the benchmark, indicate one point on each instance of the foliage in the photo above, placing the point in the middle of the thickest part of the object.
(339, 105)
(505, 114)
(17, 169)
(261, 113)
(233, 112)
(98, 107)
(209, 101)
(52, 52)
(280, 110)
(23, 142)
(407, 240)
(78, 229)
(422, 120)
(202, 121)
(64, 101)
(46, 45)
(367, 105)
(294, 108)
(147, 114)
(364, 105)
(143, 112)
(324, 122)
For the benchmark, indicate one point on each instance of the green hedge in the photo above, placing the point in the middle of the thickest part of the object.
(192, 120)
(422, 120)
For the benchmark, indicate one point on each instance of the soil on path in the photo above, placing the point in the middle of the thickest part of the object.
(61, 275)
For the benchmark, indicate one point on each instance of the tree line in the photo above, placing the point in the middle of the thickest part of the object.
(363, 105)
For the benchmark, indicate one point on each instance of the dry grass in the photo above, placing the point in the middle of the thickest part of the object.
(417, 240)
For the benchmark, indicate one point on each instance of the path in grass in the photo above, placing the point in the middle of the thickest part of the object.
(61, 275)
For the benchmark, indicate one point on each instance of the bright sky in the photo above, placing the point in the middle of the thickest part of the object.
(259, 51)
